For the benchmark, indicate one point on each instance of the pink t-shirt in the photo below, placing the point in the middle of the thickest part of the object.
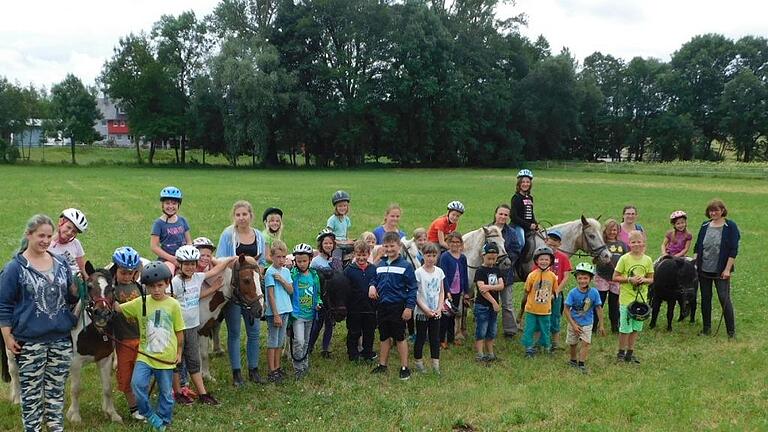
(676, 241)
(70, 251)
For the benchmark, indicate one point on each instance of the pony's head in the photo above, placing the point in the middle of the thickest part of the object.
(245, 287)
(493, 235)
(100, 297)
(410, 252)
(592, 235)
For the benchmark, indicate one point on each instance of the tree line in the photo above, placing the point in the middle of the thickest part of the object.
(415, 82)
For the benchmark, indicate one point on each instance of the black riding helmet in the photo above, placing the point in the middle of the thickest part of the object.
(154, 272)
(271, 211)
(639, 311)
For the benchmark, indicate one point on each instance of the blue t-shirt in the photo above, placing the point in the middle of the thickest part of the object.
(379, 232)
(581, 304)
(282, 298)
(340, 227)
(306, 293)
(171, 234)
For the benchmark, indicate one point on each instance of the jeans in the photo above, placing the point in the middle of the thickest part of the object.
(276, 335)
(142, 375)
(301, 331)
(520, 233)
(723, 287)
(232, 316)
(485, 321)
(508, 320)
(323, 319)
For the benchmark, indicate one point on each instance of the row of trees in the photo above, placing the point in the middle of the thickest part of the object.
(424, 82)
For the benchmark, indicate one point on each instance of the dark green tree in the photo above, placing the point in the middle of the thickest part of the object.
(74, 106)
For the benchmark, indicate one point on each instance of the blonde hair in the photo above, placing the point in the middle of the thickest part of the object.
(610, 223)
(33, 224)
(392, 206)
(366, 235)
(635, 235)
(240, 204)
(418, 232)
(278, 246)
(362, 246)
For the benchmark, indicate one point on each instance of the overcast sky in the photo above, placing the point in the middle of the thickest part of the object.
(43, 40)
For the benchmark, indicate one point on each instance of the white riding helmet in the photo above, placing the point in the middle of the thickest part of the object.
(202, 242)
(456, 205)
(76, 217)
(303, 248)
(187, 253)
(525, 173)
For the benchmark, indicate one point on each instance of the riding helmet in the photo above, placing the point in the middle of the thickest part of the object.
(203, 242)
(544, 250)
(126, 257)
(172, 193)
(525, 173)
(155, 272)
(76, 217)
(677, 214)
(340, 196)
(271, 211)
(639, 311)
(325, 232)
(302, 248)
(457, 206)
(584, 267)
(187, 253)
(489, 248)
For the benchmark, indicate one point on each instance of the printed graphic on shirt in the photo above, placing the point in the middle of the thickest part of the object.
(50, 299)
(307, 291)
(159, 331)
(543, 291)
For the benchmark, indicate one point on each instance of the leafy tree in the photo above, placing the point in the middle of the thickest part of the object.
(745, 106)
(13, 109)
(74, 107)
(645, 100)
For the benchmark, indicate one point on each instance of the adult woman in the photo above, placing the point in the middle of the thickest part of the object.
(716, 248)
(36, 300)
(629, 223)
(391, 223)
(241, 238)
(501, 220)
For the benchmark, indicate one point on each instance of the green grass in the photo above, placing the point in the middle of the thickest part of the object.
(685, 381)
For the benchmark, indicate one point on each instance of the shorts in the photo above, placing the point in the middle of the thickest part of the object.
(572, 338)
(389, 318)
(126, 352)
(190, 353)
(276, 335)
(628, 324)
(485, 321)
(554, 319)
(606, 285)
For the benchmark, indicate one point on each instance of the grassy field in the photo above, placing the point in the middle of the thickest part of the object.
(686, 382)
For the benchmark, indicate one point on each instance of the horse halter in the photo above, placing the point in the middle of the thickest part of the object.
(253, 308)
(100, 316)
(594, 253)
(407, 254)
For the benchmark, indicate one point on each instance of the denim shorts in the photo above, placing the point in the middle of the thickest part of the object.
(276, 335)
(485, 320)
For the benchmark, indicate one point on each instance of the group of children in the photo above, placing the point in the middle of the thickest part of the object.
(158, 332)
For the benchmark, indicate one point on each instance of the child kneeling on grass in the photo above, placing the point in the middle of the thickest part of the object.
(580, 306)
(161, 330)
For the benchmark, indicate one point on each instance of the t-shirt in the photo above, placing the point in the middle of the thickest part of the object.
(491, 276)
(440, 224)
(617, 249)
(123, 327)
(624, 235)
(282, 298)
(629, 265)
(69, 251)
(561, 266)
(269, 237)
(581, 304)
(171, 234)
(339, 226)
(710, 249)
(187, 293)
(539, 289)
(676, 241)
(379, 232)
(157, 329)
(304, 283)
(429, 289)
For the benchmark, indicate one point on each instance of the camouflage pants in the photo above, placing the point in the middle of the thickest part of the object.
(43, 371)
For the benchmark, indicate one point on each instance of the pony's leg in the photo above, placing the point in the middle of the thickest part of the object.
(73, 413)
(107, 403)
(13, 369)
(205, 370)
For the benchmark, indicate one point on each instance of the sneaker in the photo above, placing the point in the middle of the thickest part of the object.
(372, 358)
(137, 416)
(583, 369)
(379, 369)
(480, 357)
(207, 399)
(620, 356)
(491, 357)
(186, 391)
(631, 359)
(183, 399)
(573, 363)
(156, 423)
(436, 370)
(529, 354)
(275, 377)
(325, 354)
(420, 367)
(300, 374)
(405, 373)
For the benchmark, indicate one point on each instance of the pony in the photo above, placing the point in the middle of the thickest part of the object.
(408, 250)
(334, 292)
(674, 281)
(584, 234)
(92, 342)
(212, 313)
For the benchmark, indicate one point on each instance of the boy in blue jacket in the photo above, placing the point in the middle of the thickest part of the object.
(361, 313)
(395, 292)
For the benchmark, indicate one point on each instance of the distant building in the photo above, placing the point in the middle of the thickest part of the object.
(113, 126)
(31, 136)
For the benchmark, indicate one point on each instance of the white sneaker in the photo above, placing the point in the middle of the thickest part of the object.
(138, 416)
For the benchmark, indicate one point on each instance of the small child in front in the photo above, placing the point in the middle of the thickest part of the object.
(279, 285)
(489, 285)
(161, 330)
(540, 286)
(429, 299)
(580, 307)
(395, 290)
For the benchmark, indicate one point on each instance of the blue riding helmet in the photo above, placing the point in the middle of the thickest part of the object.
(171, 192)
(126, 257)
(555, 234)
